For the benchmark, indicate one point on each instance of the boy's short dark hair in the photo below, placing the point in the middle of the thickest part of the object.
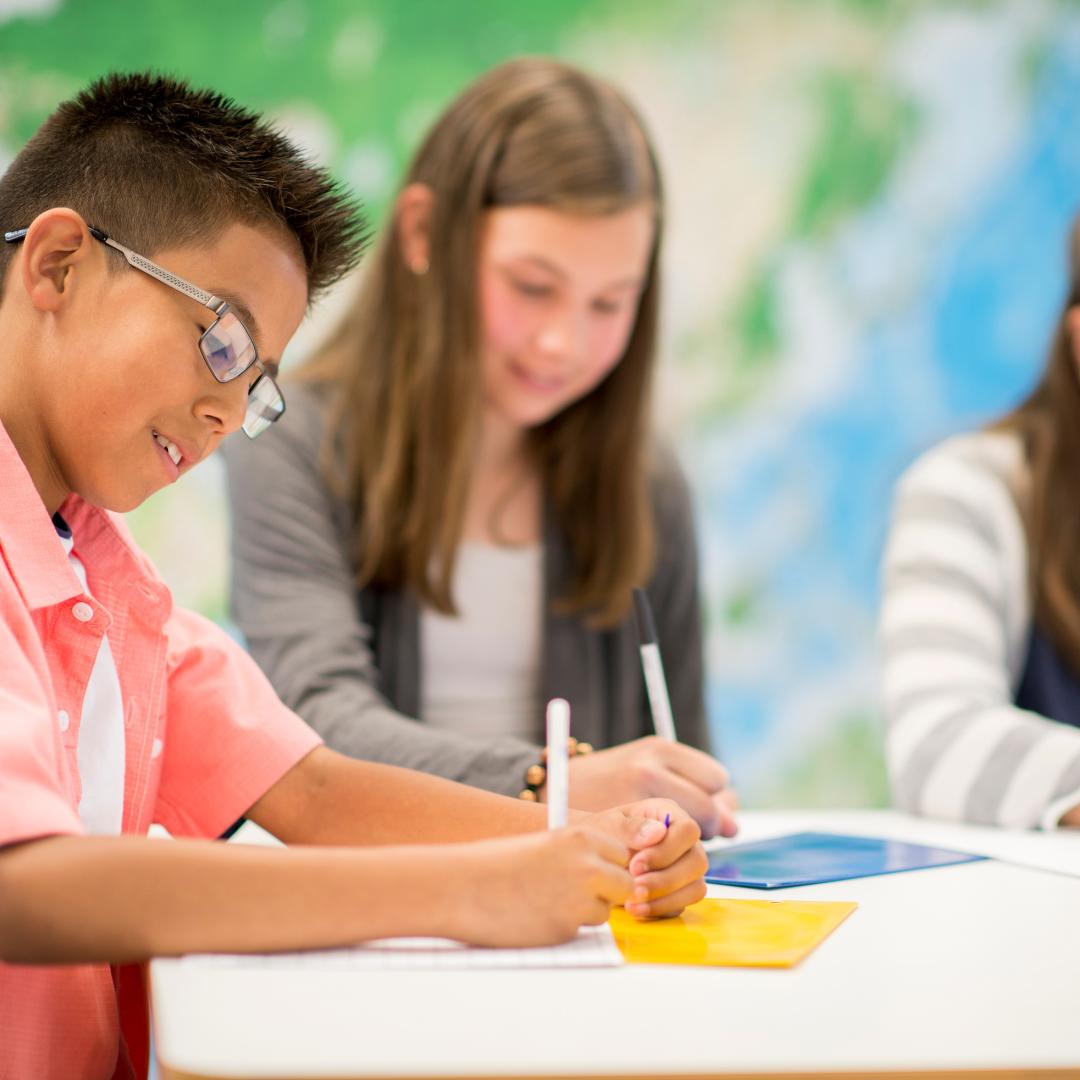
(157, 165)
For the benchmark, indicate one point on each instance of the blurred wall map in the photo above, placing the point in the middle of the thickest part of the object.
(868, 204)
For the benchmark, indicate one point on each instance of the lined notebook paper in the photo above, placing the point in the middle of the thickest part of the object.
(593, 947)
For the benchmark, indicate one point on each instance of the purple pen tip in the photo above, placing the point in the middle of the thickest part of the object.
(667, 820)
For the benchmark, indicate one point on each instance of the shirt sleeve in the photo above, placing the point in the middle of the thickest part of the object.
(954, 579)
(35, 795)
(229, 738)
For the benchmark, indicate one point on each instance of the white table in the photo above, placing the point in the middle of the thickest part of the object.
(972, 968)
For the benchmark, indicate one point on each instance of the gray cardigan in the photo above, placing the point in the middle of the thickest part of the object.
(348, 660)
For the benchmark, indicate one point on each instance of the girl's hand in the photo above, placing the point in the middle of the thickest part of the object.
(667, 864)
(536, 889)
(654, 767)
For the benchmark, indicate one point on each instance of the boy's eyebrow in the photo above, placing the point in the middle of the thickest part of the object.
(250, 324)
(243, 311)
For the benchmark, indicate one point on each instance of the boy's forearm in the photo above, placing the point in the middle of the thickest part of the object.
(331, 799)
(74, 899)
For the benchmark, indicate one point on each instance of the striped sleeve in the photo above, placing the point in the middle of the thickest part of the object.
(953, 630)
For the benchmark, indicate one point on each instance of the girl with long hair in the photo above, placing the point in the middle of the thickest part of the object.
(447, 532)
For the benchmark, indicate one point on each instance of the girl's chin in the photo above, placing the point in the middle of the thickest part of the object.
(527, 419)
(528, 411)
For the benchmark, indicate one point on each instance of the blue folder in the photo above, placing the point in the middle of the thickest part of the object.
(811, 858)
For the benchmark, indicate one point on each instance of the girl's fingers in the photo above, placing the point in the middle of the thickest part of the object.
(697, 802)
(725, 812)
(701, 769)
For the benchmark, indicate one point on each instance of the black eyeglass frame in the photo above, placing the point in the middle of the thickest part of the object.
(219, 307)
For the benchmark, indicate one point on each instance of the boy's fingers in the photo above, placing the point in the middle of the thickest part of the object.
(681, 852)
(681, 837)
(611, 849)
(667, 906)
(597, 914)
(612, 884)
(636, 830)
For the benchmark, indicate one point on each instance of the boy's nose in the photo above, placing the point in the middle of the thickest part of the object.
(224, 410)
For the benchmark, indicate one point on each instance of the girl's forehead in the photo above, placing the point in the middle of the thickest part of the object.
(566, 240)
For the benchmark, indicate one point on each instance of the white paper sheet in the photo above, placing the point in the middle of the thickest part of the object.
(593, 947)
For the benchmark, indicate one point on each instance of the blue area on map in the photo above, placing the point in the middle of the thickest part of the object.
(971, 346)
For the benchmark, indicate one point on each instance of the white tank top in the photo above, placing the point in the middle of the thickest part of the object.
(481, 669)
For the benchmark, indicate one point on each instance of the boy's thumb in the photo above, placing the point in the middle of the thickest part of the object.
(644, 832)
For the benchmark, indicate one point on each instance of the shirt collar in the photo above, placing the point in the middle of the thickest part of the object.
(29, 544)
(34, 555)
(28, 541)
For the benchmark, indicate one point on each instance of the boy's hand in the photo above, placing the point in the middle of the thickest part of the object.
(653, 767)
(537, 889)
(667, 864)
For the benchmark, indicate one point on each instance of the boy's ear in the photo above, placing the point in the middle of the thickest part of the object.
(412, 217)
(56, 241)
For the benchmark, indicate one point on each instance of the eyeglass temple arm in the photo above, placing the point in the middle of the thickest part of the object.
(140, 262)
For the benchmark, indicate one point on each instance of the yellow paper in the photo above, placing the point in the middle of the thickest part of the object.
(731, 933)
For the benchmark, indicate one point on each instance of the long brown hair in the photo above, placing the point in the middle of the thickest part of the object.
(1048, 424)
(405, 361)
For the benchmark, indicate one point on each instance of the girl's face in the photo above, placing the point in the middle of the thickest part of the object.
(558, 298)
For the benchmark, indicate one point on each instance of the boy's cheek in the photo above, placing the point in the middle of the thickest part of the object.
(213, 447)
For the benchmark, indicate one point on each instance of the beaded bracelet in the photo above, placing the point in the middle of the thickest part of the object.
(536, 775)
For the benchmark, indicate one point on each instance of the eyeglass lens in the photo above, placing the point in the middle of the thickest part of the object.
(228, 348)
(264, 405)
(229, 352)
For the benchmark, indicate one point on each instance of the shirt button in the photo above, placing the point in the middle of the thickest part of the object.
(155, 749)
(63, 719)
(82, 611)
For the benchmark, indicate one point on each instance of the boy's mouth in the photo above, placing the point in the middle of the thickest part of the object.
(170, 448)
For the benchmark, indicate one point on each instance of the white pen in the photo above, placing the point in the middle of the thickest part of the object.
(558, 761)
(653, 668)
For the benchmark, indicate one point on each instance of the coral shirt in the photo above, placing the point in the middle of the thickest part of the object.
(205, 736)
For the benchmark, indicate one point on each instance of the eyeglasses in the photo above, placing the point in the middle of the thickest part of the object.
(226, 346)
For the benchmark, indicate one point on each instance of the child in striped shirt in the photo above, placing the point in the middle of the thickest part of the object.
(980, 618)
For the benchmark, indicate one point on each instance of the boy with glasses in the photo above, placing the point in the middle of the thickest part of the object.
(226, 345)
(118, 710)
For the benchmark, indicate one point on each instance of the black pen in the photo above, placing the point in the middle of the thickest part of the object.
(653, 668)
